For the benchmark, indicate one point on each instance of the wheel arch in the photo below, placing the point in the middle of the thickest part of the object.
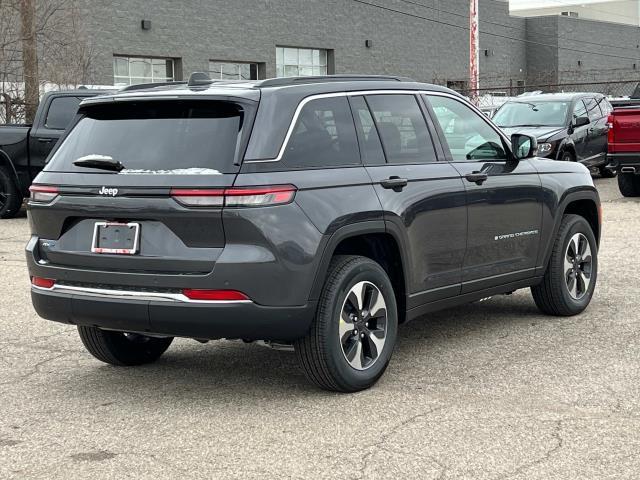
(567, 146)
(372, 240)
(585, 203)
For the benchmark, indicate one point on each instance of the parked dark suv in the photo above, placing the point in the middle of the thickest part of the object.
(568, 126)
(314, 212)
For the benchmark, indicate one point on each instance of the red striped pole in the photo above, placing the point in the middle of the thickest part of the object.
(474, 50)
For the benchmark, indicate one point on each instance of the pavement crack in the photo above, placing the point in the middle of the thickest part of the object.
(558, 444)
(380, 443)
(35, 369)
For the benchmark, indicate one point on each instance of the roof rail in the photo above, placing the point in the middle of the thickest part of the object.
(284, 81)
(143, 86)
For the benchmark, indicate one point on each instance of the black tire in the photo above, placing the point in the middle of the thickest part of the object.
(10, 196)
(567, 156)
(629, 184)
(607, 173)
(552, 295)
(120, 349)
(320, 352)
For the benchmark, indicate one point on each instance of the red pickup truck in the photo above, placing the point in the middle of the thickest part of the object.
(624, 145)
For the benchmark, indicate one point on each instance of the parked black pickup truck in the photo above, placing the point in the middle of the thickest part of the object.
(24, 148)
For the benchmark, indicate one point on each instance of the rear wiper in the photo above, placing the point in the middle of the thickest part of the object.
(101, 162)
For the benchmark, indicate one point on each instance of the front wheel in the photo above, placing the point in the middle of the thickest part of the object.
(570, 279)
(567, 156)
(122, 349)
(352, 337)
(10, 197)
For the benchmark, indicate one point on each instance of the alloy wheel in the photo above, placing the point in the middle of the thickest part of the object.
(578, 264)
(363, 325)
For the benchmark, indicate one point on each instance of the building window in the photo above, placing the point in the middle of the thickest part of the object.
(294, 62)
(233, 70)
(134, 70)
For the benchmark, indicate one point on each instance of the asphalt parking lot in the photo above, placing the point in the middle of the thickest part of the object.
(492, 390)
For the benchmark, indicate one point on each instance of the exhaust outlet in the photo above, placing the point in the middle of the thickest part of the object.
(628, 169)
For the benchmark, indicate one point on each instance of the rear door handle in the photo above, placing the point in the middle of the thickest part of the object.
(476, 177)
(394, 183)
(45, 140)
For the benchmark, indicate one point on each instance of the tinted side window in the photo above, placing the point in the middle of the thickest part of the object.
(323, 136)
(579, 110)
(402, 128)
(61, 112)
(593, 110)
(468, 135)
(370, 145)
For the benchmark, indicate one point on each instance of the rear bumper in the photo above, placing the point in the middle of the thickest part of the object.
(624, 162)
(164, 315)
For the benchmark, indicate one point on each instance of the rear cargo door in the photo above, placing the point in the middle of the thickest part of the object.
(141, 186)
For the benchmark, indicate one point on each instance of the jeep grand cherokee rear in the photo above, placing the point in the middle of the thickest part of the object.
(318, 213)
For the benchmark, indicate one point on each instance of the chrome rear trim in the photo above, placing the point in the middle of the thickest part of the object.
(130, 295)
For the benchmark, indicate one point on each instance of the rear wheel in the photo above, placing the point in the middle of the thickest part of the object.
(629, 184)
(570, 279)
(354, 331)
(10, 197)
(607, 173)
(122, 349)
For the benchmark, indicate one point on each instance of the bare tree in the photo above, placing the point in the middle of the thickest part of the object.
(11, 93)
(55, 40)
(66, 54)
(29, 58)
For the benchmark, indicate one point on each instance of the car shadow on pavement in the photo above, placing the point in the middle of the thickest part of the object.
(190, 371)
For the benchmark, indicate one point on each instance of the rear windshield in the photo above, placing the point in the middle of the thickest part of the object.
(165, 137)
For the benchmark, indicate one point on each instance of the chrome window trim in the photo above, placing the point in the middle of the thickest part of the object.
(320, 96)
(116, 294)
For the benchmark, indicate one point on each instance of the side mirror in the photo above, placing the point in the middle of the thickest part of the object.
(523, 146)
(581, 122)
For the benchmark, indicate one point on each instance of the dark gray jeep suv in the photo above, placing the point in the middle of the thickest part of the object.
(313, 212)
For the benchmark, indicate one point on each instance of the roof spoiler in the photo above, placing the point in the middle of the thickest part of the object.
(143, 86)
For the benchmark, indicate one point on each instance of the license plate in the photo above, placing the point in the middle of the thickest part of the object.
(116, 238)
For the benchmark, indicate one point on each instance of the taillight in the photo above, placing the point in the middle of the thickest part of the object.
(215, 295)
(43, 193)
(610, 133)
(235, 197)
(253, 197)
(199, 197)
(42, 282)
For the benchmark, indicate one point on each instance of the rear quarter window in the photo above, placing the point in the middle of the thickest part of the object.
(164, 137)
(323, 136)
